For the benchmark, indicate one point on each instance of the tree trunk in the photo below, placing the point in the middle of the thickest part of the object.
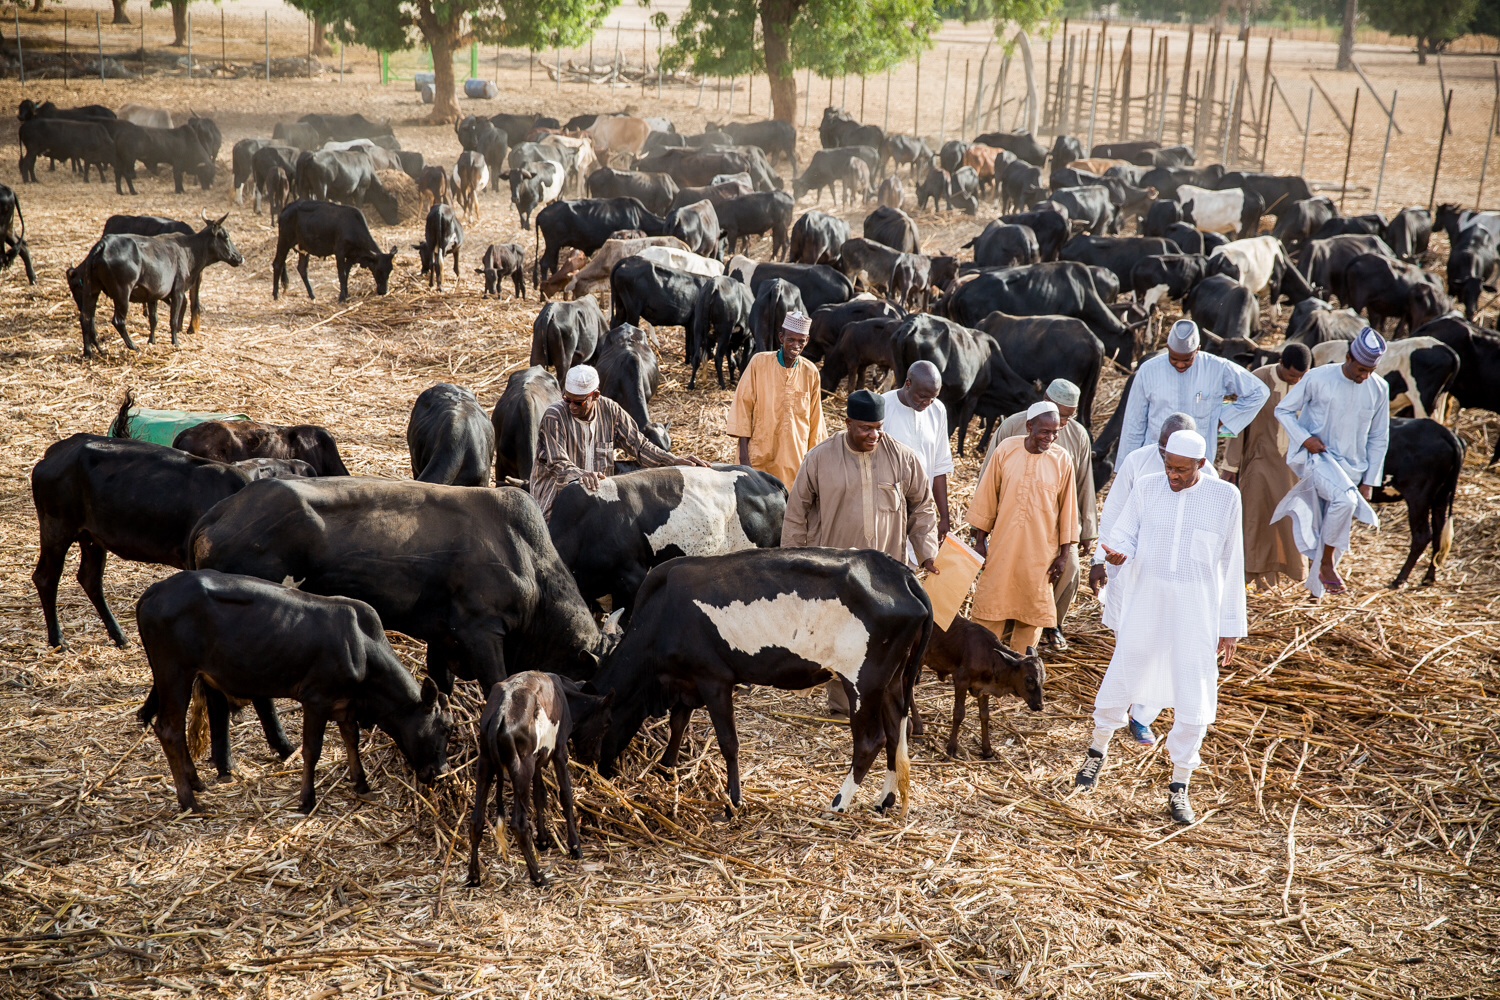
(444, 41)
(36, 6)
(320, 39)
(1346, 39)
(179, 23)
(776, 27)
(120, 16)
(1422, 48)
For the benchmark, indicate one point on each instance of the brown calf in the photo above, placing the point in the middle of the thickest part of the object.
(241, 440)
(527, 722)
(980, 664)
(433, 186)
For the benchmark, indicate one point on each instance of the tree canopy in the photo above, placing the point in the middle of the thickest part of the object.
(1433, 23)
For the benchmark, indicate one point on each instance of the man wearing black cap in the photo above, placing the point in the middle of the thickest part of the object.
(862, 489)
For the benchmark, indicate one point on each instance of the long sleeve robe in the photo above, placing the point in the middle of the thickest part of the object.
(567, 447)
(846, 499)
(1074, 439)
(1159, 390)
(1183, 589)
(780, 410)
(1029, 505)
(1258, 457)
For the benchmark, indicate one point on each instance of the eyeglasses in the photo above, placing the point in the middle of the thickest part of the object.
(574, 404)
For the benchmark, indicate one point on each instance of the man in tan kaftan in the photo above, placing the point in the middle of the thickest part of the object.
(1074, 439)
(862, 489)
(1027, 503)
(1256, 461)
(777, 413)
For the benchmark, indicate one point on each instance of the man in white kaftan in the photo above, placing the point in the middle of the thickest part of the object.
(1338, 426)
(1179, 545)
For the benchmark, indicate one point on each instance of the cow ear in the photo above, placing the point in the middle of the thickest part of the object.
(1030, 650)
(429, 693)
(393, 249)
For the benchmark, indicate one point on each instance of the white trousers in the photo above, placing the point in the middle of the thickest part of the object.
(1183, 742)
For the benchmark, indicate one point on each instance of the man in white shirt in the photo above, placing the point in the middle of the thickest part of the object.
(911, 419)
(1186, 380)
(1338, 425)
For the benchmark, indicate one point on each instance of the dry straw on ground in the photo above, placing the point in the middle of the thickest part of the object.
(1348, 802)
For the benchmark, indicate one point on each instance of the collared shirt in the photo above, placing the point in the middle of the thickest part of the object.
(1144, 461)
(780, 410)
(1352, 419)
(923, 431)
(1159, 390)
(567, 447)
(1074, 439)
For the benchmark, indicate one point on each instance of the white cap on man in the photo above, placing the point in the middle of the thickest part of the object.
(1037, 409)
(796, 322)
(582, 380)
(1183, 339)
(1187, 444)
(1063, 393)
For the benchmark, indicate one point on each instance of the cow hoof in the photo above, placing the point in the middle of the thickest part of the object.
(951, 750)
(121, 641)
(540, 881)
(224, 778)
(988, 753)
(474, 881)
(576, 852)
(888, 804)
(838, 803)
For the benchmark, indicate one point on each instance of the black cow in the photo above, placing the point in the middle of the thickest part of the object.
(697, 225)
(630, 375)
(1117, 254)
(501, 261)
(444, 235)
(714, 194)
(774, 298)
(816, 238)
(587, 224)
(1324, 262)
(1422, 468)
(450, 438)
(654, 191)
(1005, 245)
(242, 161)
(565, 334)
(703, 625)
(1178, 274)
(1160, 217)
(517, 420)
(1022, 144)
(13, 243)
(1193, 240)
(498, 596)
(697, 167)
(861, 346)
(298, 134)
(1050, 226)
(1061, 288)
(903, 150)
(242, 441)
(487, 139)
(30, 109)
(839, 128)
(662, 296)
(1007, 392)
(1224, 306)
(1089, 207)
(272, 168)
(1351, 225)
(962, 356)
(1125, 150)
(1409, 232)
(756, 214)
(223, 638)
(610, 541)
(1043, 348)
(1278, 192)
(90, 143)
(342, 128)
(819, 284)
(1020, 185)
(1302, 219)
(894, 228)
(318, 229)
(720, 325)
(517, 126)
(874, 259)
(149, 269)
(1066, 149)
(346, 176)
(937, 187)
(1477, 384)
(144, 225)
(1167, 180)
(1472, 265)
(829, 322)
(1314, 321)
(831, 166)
(134, 499)
(1384, 288)
(181, 148)
(776, 139)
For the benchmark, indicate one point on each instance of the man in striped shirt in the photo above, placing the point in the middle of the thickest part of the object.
(578, 437)
(1186, 380)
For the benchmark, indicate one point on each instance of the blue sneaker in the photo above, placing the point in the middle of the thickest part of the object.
(1142, 734)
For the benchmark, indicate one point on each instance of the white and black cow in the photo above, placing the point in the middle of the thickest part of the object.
(786, 618)
(611, 538)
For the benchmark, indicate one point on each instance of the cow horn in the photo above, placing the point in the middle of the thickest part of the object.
(221, 219)
(203, 214)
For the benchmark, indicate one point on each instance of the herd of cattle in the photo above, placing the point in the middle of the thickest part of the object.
(266, 523)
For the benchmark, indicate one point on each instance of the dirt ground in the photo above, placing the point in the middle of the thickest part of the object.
(1348, 796)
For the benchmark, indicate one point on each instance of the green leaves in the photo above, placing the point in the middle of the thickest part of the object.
(1434, 21)
(528, 24)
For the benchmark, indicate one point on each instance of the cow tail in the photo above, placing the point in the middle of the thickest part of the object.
(22, 216)
(1445, 539)
(909, 675)
(197, 721)
(120, 427)
(536, 259)
(148, 711)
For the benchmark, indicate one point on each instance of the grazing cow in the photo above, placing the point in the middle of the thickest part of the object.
(13, 243)
(714, 194)
(1351, 225)
(182, 148)
(681, 260)
(501, 261)
(981, 665)
(618, 134)
(347, 177)
(1263, 265)
(816, 238)
(565, 334)
(224, 639)
(1472, 266)
(787, 618)
(90, 143)
(1050, 226)
(755, 215)
(839, 128)
(1224, 306)
(655, 191)
(1174, 275)
(936, 186)
(1160, 217)
(473, 177)
(318, 229)
(276, 468)
(1383, 288)
(1019, 144)
(517, 420)
(1062, 288)
(450, 438)
(1475, 386)
(911, 280)
(1233, 211)
(1116, 254)
(697, 226)
(1417, 371)
(875, 260)
(1277, 193)
(1194, 241)
(498, 595)
(1005, 245)
(593, 276)
(719, 325)
(892, 193)
(1020, 185)
(961, 354)
(1314, 321)
(902, 151)
(819, 284)
(989, 164)
(1324, 263)
(242, 158)
(1088, 208)
(641, 289)
(148, 269)
(528, 720)
(134, 499)
(893, 228)
(829, 322)
(1042, 348)
(237, 441)
(832, 166)
(776, 139)
(571, 264)
(1409, 232)
(535, 186)
(444, 235)
(612, 537)
(346, 127)
(630, 375)
(774, 299)
(272, 168)
(587, 224)
(861, 346)
(1422, 468)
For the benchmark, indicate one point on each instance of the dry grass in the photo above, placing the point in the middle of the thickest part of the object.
(1347, 842)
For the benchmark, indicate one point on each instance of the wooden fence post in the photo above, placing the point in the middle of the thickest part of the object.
(1306, 133)
(943, 116)
(1437, 167)
(1390, 120)
(1349, 151)
(1094, 105)
(1187, 64)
